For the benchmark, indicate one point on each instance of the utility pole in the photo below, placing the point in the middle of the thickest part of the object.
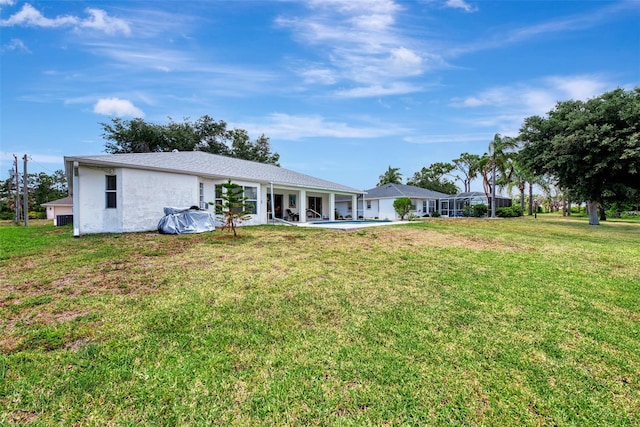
(25, 182)
(17, 175)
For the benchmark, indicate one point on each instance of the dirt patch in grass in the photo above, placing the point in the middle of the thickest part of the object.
(421, 238)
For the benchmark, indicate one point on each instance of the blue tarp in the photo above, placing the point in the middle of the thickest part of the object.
(189, 220)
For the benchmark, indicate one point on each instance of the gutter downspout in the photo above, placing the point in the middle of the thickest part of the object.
(76, 199)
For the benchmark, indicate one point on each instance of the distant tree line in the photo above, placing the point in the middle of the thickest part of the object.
(205, 134)
(41, 188)
(581, 151)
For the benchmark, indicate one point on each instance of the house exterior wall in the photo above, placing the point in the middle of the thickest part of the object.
(144, 195)
(90, 213)
(54, 211)
(140, 199)
(386, 210)
(374, 210)
(344, 209)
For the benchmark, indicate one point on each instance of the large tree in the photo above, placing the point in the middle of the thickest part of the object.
(496, 166)
(205, 134)
(435, 178)
(391, 176)
(468, 165)
(591, 147)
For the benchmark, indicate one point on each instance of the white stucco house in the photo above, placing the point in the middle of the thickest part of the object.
(117, 193)
(378, 202)
(59, 208)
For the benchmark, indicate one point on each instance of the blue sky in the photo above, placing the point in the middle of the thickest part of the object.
(343, 88)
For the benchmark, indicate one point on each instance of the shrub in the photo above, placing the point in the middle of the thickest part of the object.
(435, 214)
(509, 212)
(480, 210)
(402, 206)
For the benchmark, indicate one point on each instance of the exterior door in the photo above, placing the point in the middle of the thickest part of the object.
(315, 204)
(277, 205)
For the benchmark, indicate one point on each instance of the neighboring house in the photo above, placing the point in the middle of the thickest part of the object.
(59, 208)
(127, 192)
(454, 205)
(378, 202)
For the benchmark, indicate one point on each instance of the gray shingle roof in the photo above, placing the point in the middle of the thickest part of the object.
(210, 166)
(65, 201)
(400, 190)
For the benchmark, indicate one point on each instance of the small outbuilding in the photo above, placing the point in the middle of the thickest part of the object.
(60, 211)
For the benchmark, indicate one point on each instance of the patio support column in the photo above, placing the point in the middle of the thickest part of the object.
(354, 206)
(332, 206)
(302, 210)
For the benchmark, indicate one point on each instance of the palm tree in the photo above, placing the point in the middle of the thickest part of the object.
(391, 176)
(495, 165)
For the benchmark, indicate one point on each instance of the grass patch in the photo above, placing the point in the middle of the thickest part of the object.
(455, 322)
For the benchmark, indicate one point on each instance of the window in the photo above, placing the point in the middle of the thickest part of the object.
(368, 204)
(110, 185)
(218, 200)
(250, 193)
(251, 203)
(203, 205)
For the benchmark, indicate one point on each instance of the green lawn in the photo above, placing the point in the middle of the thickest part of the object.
(443, 322)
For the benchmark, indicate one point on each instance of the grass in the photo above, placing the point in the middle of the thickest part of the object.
(442, 322)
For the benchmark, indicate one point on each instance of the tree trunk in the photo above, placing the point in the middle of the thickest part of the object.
(603, 214)
(530, 198)
(592, 210)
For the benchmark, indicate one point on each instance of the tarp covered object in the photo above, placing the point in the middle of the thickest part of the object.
(189, 220)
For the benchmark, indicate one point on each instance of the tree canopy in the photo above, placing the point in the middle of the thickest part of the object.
(205, 134)
(592, 147)
(435, 178)
(391, 176)
(41, 187)
(468, 165)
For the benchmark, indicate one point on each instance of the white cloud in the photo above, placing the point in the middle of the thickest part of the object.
(579, 87)
(98, 20)
(461, 4)
(450, 138)
(563, 24)
(39, 158)
(540, 95)
(29, 16)
(6, 2)
(323, 76)
(294, 127)
(117, 107)
(15, 44)
(361, 42)
(504, 108)
(398, 88)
